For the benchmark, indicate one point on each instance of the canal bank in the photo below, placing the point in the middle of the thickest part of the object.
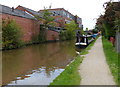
(71, 76)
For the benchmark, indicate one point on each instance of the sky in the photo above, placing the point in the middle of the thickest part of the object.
(88, 10)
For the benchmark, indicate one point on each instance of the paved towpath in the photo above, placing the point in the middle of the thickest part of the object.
(94, 69)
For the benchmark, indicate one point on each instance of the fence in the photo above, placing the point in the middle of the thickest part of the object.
(118, 42)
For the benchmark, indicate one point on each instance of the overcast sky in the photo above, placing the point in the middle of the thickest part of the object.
(88, 10)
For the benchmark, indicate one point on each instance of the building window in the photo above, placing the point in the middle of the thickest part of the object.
(68, 15)
(64, 13)
(54, 13)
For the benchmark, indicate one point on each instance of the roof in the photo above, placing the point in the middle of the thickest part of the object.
(30, 10)
(59, 9)
(14, 12)
(53, 9)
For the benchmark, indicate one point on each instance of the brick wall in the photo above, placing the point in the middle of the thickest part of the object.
(30, 28)
(52, 35)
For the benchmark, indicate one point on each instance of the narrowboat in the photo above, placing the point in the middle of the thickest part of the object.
(84, 40)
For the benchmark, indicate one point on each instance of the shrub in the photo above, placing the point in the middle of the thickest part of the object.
(11, 34)
(62, 35)
(35, 39)
(42, 33)
(69, 34)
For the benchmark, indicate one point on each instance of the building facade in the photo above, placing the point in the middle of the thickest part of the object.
(63, 17)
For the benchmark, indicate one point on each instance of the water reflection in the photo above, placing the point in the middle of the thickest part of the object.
(36, 64)
(37, 78)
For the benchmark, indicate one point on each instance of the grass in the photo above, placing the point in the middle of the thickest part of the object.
(84, 52)
(112, 58)
(71, 76)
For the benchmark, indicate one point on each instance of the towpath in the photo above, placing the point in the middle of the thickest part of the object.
(94, 69)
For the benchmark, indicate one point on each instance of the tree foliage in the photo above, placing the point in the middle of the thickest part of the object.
(46, 15)
(107, 22)
(46, 20)
(11, 34)
(70, 32)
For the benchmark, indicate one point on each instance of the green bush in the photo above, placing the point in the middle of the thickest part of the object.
(62, 35)
(42, 36)
(42, 33)
(109, 31)
(69, 34)
(11, 34)
(35, 39)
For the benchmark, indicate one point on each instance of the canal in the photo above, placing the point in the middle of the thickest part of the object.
(37, 64)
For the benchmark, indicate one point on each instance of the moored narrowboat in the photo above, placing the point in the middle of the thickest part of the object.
(84, 40)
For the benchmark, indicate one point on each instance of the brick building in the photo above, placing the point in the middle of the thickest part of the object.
(63, 17)
(25, 19)
(35, 13)
(30, 27)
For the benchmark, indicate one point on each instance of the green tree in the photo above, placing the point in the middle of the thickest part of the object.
(62, 35)
(70, 30)
(47, 20)
(107, 22)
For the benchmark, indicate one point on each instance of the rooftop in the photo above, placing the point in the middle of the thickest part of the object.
(15, 12)
(30, 10)
(59, 9)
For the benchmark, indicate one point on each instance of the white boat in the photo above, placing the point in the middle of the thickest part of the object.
(84, 40)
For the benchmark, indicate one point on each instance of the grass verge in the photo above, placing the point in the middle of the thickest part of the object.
(84, 52)
(70, 76)
(112, 58)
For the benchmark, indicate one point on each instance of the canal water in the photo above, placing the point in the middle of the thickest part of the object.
(37, 64)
